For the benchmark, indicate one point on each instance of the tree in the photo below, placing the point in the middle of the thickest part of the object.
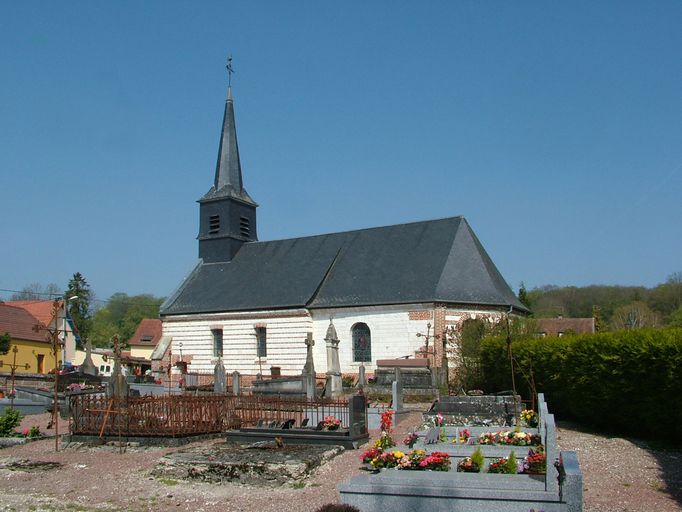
(676, 318)
(5, 340)
(634, 316)
(36, 291)
(523, 296)
(121, 315)
(77, 298)
(598, 322)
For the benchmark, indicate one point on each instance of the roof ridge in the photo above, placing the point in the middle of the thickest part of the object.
(349, 231)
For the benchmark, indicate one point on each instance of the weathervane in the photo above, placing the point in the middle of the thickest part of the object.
(229, 71)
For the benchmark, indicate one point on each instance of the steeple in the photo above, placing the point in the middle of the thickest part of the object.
(227, 214)
(228, 172)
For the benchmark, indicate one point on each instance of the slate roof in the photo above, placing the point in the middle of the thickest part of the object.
(19, 324)
(430, 261)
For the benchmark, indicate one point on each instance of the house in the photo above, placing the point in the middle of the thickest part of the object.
(385, 291)
(34, 348)
(559, 326)
(146, 337)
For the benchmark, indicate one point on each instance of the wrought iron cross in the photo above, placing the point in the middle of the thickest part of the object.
(427, 337)
(229, 71)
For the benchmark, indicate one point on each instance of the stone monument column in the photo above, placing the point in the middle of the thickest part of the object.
(334, 383)
(219, 378)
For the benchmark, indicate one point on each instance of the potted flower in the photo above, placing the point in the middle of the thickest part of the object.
(471, 464)
(332, 423)
(461, 436)
(535, 463)
(505, 465)
(529, 417)
(385, 441)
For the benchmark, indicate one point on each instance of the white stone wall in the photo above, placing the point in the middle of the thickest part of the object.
(286, 333)
(393, 334)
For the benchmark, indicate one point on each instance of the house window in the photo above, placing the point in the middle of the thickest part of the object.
(261, 342)
(147, 338)
(217, 342)
(362, 343)
(214, 224)
(40, 363)
(244, 227)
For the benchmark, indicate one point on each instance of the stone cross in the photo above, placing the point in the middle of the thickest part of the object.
(118, 386)
(88, 367)
(309, 368)
(334, 383)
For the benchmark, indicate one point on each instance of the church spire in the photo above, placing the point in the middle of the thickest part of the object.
(227, 214)
(228, 173)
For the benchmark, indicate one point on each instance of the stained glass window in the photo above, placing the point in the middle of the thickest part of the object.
(362, 343)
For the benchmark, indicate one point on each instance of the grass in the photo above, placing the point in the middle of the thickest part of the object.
(298, 485)
(168, 481)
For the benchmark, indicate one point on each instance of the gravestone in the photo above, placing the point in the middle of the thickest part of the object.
(432, 436)
(397, 392)
(334, 387)
(236, 383)
(219, 380)
(362, 379)
(357, 407)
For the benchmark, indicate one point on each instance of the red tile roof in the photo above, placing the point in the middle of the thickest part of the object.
(554, 326)
(148, 333)
(41, 309)
(19, 324)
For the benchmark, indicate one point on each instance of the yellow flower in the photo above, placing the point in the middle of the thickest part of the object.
(398, 454)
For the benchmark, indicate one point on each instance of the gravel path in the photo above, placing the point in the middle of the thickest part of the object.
(620, 475)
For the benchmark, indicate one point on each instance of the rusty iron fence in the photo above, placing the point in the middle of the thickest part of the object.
(183, 415)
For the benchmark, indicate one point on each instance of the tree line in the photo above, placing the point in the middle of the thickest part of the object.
(614, 307)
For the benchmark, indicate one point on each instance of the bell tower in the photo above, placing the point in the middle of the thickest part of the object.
(227, 214)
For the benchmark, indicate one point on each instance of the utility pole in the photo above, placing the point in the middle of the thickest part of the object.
(53, 337)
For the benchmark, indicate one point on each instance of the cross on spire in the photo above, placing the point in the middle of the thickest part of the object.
(229, 71)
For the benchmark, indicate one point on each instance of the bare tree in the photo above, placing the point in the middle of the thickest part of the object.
(634, 316)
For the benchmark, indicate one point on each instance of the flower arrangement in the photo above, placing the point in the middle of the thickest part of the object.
(517, 438)
(387, 421)
(410, 439)
(535, 462)
(487, 438)
(529, 417)
(471, 464)
(415, 460)
(461, 436)
(385, 441)
(332, 423)
(438, 420)
(505, 465)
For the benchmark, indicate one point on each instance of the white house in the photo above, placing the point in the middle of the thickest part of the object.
(253, 303)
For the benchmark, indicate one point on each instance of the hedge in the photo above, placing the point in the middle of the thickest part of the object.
(627, 381)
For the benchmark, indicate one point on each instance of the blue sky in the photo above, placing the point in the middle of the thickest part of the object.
(554, 128)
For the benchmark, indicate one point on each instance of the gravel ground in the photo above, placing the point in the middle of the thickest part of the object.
(620, 475)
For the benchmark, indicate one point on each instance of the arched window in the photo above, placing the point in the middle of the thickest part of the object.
(362, 343)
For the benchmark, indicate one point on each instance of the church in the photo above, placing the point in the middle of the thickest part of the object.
(400, 291)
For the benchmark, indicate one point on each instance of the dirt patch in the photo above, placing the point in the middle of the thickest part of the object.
(31, 466)
(239, 463)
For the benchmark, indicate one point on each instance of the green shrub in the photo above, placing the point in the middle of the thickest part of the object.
(9, 421)
(510, 466)
(477, 457)
(628, 381)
